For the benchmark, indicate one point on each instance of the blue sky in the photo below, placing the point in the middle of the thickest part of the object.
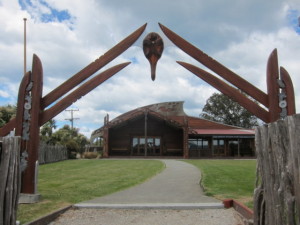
(51, 16)
(69, 34)
(294, 19)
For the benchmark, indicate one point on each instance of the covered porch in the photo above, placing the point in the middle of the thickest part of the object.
(221, 143)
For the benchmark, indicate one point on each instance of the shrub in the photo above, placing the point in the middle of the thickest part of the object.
(90, 155)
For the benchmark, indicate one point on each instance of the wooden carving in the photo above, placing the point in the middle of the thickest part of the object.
(32, 112)
(81, 91)
(153, 47)
(279, 100)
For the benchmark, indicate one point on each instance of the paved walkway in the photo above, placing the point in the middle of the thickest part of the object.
(175, 187)
(173, 197)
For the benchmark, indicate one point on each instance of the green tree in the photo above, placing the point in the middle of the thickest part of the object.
(71, 138)
(46, 132)
(223, 109)
(6, 113)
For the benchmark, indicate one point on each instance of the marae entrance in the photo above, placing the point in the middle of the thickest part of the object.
(34, 109)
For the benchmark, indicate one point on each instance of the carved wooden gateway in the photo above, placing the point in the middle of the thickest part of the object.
(34, 109)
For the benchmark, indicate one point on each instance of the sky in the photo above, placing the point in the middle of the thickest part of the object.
(67, 35)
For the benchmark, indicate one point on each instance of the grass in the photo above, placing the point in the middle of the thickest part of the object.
(228, 179)
(68, 182)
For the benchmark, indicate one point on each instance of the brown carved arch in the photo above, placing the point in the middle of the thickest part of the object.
(32, 111)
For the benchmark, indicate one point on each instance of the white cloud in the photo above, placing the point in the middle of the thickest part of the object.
(249, 57)
(4, 94)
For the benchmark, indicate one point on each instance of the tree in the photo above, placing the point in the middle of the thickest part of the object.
(221, 108)
(71, 138)
(6, 113)
(46, 132)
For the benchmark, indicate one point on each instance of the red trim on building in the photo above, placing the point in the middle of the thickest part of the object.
(223, 131)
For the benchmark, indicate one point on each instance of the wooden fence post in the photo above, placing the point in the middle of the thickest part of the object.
(277, 193)
(10, 179)
(52, 153)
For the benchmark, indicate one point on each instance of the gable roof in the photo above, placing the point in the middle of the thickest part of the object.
(173, 113)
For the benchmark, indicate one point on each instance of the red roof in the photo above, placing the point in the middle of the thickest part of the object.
(223, 131)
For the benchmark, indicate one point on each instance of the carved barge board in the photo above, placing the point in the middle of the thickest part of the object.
(231, 92)
(79, 92)
(215, 66)
(92, 68)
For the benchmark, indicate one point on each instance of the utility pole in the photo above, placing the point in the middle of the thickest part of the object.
(72, 116)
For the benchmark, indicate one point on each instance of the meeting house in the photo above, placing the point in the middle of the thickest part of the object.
(165, 130)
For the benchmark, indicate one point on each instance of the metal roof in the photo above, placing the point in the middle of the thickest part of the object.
(223, 131)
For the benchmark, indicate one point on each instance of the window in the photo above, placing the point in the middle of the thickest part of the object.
(138, 145)
(135, 142)
(219, 147)
(218, 143)
(198, 144)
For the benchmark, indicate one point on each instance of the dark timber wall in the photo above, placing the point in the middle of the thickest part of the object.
(171, 137)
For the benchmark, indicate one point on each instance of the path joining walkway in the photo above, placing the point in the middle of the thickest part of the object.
(176, 187)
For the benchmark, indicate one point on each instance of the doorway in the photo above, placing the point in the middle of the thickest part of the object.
(139, 147)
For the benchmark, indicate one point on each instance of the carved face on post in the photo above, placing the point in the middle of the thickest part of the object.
(153, 47)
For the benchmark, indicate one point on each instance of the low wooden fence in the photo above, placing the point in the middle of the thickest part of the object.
(10, 179)
(52, 153)
(277, 193)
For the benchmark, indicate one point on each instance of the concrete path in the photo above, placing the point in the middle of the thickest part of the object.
(176, 187)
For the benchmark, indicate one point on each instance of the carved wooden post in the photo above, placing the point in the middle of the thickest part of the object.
(34, 131)
(30, 125)
(185, 131)
(30, 115)
(105, 142)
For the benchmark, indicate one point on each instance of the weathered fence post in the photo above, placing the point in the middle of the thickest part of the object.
(277, 193)
(52, 153)
(10, 179)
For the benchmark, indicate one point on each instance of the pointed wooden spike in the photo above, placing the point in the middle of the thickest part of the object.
(272, 86)
(92, 67)
(79, 92)
(230, 91)
(289, 89)
(215, 66)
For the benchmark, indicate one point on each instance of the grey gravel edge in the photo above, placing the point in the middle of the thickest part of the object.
(152, 206)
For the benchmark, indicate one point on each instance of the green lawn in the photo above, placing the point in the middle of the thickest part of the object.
(73, 181)
(228, 178)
